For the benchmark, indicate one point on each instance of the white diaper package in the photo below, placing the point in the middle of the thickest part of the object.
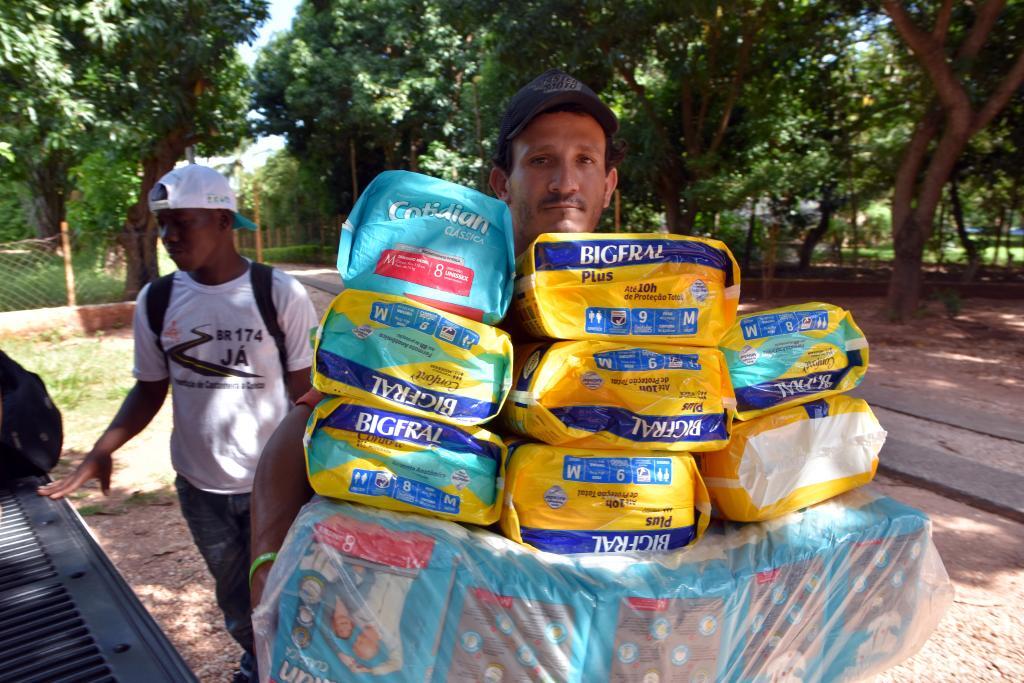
(838, 592)
(794, 457)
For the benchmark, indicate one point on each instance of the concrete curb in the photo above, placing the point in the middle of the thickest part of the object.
(920, 405)
(990, 489)
(74, 319)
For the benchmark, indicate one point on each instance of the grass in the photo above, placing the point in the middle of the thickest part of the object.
(884, 252)
(86, 379)
(304, 253)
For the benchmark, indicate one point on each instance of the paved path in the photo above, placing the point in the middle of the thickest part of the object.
(954, 450)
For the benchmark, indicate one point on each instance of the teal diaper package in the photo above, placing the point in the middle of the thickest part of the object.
(838, 592)
(432, 241)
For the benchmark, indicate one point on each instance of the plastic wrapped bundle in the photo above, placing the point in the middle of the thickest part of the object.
(592, 394)
(787, 460)
(791, 355)
(398, 461)
(638, 287)
(570, 500)
(395, 352)
(432, 241)
(838, 592)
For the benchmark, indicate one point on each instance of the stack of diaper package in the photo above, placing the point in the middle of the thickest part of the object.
(798, 440)
(614, 410)
(408, 354)
(608, 566)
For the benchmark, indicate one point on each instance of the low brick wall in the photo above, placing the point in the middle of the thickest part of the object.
(71, 319)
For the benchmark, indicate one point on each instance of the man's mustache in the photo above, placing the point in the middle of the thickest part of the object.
(555, 200)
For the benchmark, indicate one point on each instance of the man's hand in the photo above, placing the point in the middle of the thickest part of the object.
(97, 465)
(139, 407)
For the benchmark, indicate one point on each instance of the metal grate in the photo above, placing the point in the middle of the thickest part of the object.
(65, 612)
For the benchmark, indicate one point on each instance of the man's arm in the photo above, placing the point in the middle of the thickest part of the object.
(138, 410)
(297, 383)
(280, 488)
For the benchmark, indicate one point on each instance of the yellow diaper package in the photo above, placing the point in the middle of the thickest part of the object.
(799, 456)
(399, 461)
(639, 287)
(597, 394)
(393, 351)
(791, 355)
(571, 500)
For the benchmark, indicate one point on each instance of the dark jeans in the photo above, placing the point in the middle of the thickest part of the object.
(220, 528)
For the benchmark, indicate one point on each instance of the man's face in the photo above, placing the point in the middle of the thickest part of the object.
(557, 181)
(193, 236)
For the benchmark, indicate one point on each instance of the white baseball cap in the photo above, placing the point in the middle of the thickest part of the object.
(196, 187)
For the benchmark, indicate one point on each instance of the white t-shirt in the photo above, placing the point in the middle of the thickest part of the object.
(227, 387)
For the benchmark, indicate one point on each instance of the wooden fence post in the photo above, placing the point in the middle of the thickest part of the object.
(69, 272)
(259, 228)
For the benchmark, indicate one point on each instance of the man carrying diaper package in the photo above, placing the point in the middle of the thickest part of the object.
(554, 165)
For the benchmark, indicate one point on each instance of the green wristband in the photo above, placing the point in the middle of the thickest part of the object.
(262, 559)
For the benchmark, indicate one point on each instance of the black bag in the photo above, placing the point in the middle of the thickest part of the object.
(31, 432)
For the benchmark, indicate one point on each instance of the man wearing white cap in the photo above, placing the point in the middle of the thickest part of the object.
(233, 338)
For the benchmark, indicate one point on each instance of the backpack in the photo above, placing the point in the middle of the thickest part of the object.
(31, 432)
(262, 278)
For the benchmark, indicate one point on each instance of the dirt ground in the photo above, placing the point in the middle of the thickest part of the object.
(976, 359)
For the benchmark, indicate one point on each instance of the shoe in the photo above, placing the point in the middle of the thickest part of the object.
(239, 676)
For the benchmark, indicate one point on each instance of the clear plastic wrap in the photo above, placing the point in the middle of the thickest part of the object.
(837, 592)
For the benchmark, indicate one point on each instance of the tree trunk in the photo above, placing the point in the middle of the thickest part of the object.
(748, 248)
(138, 237)
(973, 258)
(905, 282)
(414, 153)
(686, 222)
(353, 168)
(668, 191)
(916, 200)
(48, 187)
(952, 115)
(1000, 223)
(826, 207)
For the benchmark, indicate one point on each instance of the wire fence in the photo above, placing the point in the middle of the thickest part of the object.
(33, 274)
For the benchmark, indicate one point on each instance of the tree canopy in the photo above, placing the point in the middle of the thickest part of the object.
(766, 124)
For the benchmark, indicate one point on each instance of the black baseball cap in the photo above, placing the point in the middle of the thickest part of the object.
(547, 91)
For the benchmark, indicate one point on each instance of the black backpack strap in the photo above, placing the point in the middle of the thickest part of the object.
(157, 299)
(262, 277)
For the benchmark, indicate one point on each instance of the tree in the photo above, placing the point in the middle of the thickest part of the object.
(43, 121)
(355, 94)
(170, 78)
(676, 73)
(966, 92)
